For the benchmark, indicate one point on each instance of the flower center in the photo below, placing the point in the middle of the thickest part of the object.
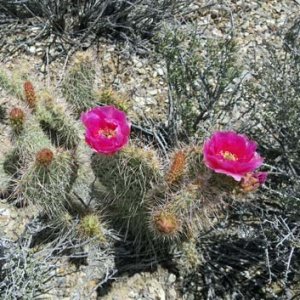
(228, 155)
(108, 132)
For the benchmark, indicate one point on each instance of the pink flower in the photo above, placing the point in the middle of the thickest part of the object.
(107, 129)
(231, 154)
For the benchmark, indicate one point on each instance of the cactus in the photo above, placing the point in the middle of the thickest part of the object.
(123, 182)
(110, 97)
(47, 180)
(78, 83)
(11, 86)
(56, 120)
(49, 164)
(154, 205)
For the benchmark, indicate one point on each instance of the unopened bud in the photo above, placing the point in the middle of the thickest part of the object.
(17, 118)
(177, 168)
(252, 181)
(30, 95)
(166, 223)
(44, 157)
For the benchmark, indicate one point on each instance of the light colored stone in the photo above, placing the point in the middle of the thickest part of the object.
(172, 278)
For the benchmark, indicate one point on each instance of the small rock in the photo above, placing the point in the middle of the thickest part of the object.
(32, 50)
(133, 294)
(172, 278)
(152, 92)
(141, 71)
(160, 71)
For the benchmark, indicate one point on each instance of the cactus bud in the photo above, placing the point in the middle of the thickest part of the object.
(30, 95)
(252, 181)
(177, 168)
(44, 157)
(17, 117)
(166, 223)
(90, 226)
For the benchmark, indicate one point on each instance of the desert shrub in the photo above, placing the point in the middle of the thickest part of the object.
(274, 95)
(201, 78)
(32, 266)
(80, 23)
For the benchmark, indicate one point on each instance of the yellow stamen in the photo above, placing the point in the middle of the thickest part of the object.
(228, 155)
(108, 132)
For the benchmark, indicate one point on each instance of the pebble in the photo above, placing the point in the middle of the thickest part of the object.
(172, 278)
(160, 71)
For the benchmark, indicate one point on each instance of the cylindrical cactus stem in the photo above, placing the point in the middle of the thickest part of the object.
(57, 120)
(128, 174)
(186, 212)
(125, 179)
(30, 95)
(47, 180)
(17, 119)
(30, 140)
(79, 83)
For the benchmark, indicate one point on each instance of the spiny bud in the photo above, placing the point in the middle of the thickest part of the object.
(166, 223)
(252, 181)
(90, 226)
(17, 117)
(30, 95)
(44, 157)
(177, 168)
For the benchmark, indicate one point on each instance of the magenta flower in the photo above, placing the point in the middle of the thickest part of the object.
(107, 129)
(232, 154)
